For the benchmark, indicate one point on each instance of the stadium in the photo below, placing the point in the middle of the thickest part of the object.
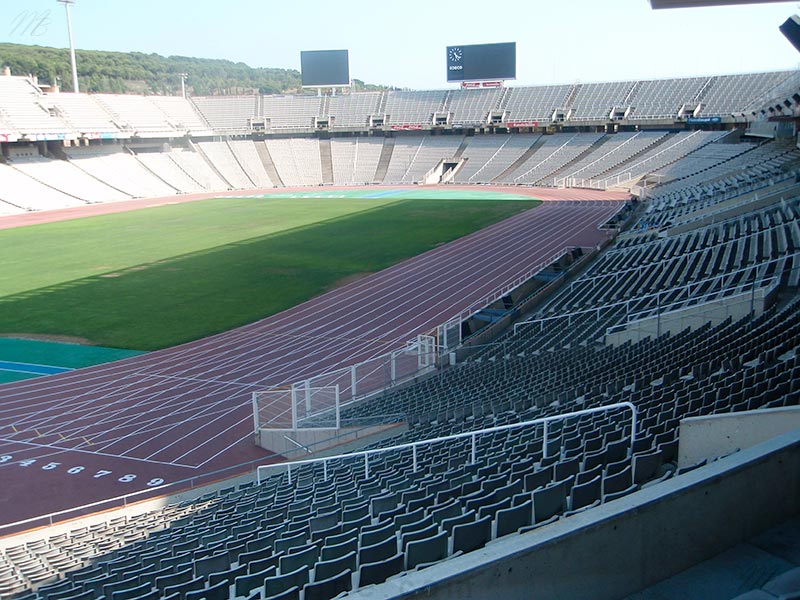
(486, 341)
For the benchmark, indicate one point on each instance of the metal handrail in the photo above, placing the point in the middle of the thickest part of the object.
(470, 434)
(659, 294)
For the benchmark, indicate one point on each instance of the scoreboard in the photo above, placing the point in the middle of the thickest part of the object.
(325, 68)
(482, 62)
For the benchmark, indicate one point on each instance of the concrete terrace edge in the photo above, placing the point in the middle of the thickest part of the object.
(619, 548)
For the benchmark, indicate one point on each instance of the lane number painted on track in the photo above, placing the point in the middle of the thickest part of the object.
(76, 470)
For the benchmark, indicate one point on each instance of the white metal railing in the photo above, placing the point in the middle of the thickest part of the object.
(789, 191)
(700, 283)
(285, 407)
(661, 263)
(473, 435)
(727, 293)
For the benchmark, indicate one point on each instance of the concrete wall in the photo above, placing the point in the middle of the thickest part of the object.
(693, 317)
(624, 546)
(737, 206)
(320, 441)
(709, 437)
(763, 129)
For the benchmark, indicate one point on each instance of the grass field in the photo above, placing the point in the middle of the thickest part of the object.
(157, 277)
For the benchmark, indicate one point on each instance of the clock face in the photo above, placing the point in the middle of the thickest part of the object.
(454, 54)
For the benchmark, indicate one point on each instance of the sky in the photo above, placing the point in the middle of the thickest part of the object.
(403, 43)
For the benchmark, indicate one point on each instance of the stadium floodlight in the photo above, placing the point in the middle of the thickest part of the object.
(67, 4)
(183, 84)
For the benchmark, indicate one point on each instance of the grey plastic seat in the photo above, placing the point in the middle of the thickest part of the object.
(330, 587)
(409, 517)
(294, 560)
(181, 589)
(586, 494)
(619, 484)
(786, 585)
(374, 536)
(247, 557)
(755, 595)
(173, 579)
(220, 591)
(416, 525)
(230, 575)
(448, 524)
(291, 541)
(259, 565)
(419, 534)
(328, 568)
(549, 501)
(245, 584)
(380, 571)
(427, 551)
(205, 566)
(130, 593)
(511, 520)
(123, 584)
(325, 521)
(447, 510)
(471, 536)
(62, 589)
(292, 593)
(491, 509)
(646, 466)
(538, 478)
(380, 504)
(346, 534)
(337, 550)
(378, 551)
(151, 595)
(281, 583)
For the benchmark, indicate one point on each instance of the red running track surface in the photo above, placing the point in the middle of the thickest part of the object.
(185, 412)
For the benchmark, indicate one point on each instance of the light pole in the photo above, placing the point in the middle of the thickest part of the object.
(75, 88)
(183, 84)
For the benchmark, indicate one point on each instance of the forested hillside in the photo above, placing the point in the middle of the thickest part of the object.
(138, 73)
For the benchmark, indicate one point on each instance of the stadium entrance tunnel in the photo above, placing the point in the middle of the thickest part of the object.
(444, 171)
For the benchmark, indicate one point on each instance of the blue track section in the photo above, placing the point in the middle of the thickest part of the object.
(386, 194)
(18, 367)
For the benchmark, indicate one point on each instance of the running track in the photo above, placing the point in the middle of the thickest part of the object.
(185, 412)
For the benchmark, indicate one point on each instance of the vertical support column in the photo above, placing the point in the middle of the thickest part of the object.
(338, 414)
(307, 385)
(255, 415)
(366, 466)
(544, 440)
(353, 379)
(293, 397)
(414, 456)
(474, 455)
